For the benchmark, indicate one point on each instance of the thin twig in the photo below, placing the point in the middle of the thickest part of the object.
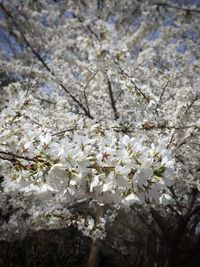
(84, 90)
(178, 8)
(117, 98)
(191, 104)
(161, 95)
(44, 100)
(124, 73)
(64, 131)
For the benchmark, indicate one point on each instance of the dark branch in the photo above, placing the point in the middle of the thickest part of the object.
(188, 10)
(112, 100)
(11, 156)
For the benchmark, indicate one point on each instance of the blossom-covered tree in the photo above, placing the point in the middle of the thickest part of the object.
(101, 113)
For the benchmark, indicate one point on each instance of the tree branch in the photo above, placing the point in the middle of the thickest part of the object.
(178, 8)
(112, 101)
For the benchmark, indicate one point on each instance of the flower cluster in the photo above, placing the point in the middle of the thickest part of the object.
(108, 167)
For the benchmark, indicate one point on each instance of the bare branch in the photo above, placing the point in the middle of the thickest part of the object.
(11, 156)
(84, 91)
(188, 10)
(112, 100)
(191, 104)
(161, 95)
(125, 74)
(117, 98)
(64, 131)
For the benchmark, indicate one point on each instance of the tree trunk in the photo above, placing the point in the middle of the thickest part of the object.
(94, 258)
